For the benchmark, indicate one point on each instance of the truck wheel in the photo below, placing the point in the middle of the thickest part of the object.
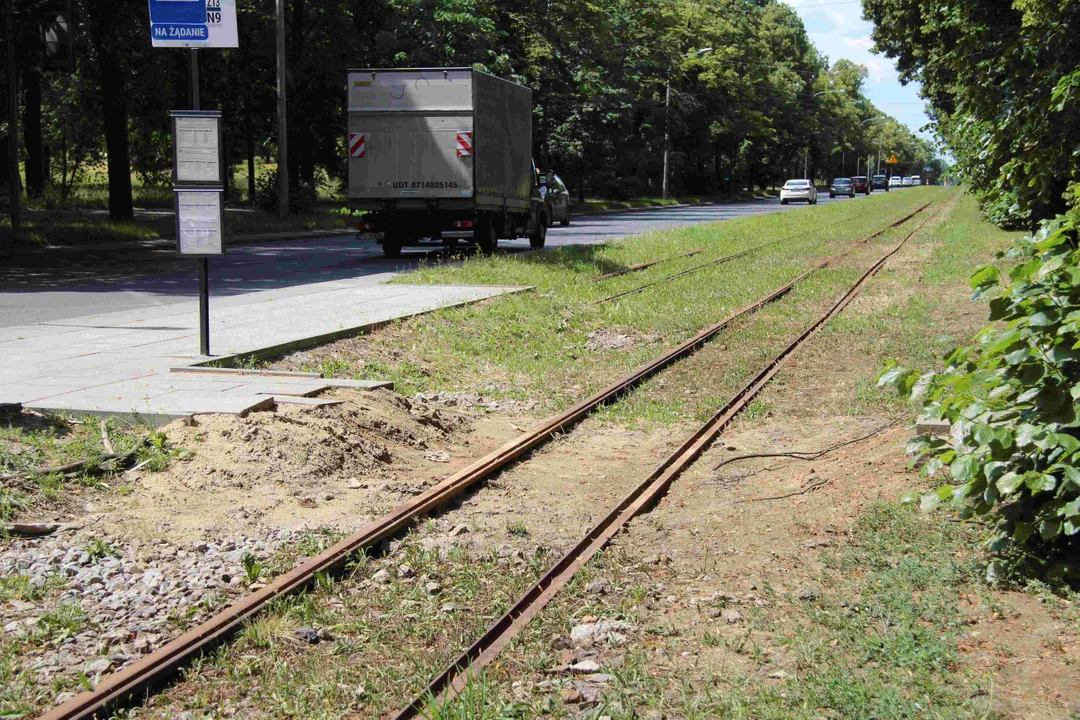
(487, 236)
(539, 234)
(391, 249)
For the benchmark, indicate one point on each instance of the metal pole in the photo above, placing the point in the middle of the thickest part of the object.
(204, 306)
(282, 106)
(194, 78)
(667, 135)
(13, 116)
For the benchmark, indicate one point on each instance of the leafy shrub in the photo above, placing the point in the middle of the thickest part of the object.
(1012, 400)
(302, 199)
(623, 188)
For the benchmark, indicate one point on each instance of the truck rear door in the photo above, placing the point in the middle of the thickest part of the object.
(410, 134)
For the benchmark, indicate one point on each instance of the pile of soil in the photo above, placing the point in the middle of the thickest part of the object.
(297, 467)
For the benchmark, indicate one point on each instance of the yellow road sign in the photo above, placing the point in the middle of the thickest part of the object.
(892, 160)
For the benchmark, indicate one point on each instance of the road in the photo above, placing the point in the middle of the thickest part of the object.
(99, 285)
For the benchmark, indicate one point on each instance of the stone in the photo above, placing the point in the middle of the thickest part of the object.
(459, 530)
(97, 667)
(439, 456)
(308, 635)
(570, 695)
(599, 678)
(433, 588)
(585, 667)
(382, 577)
(732, 617)
(808, 593)
(650, 560)
(404, 571)
(448, 608)
(596, 587)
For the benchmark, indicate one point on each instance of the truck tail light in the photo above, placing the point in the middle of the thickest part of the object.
(365, 226)
(463, 224)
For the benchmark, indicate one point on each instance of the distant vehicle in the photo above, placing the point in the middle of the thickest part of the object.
(841, 186)
(916, 180)
(895, 181)
(798, 190)
(556, 198)
(860, 184)
(879, 182)
(906, 182)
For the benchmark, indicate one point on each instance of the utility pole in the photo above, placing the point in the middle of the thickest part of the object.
(13, 116)
(667, 134)
(282, 107)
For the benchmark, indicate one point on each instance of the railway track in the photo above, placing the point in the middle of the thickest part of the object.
(125, 686)
(452, 680)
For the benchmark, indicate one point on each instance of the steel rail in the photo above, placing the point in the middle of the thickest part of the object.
(452, 680)
(124, 684)
(729, 258)
(642, 266)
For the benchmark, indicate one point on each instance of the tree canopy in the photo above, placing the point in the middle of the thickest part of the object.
(752, 101)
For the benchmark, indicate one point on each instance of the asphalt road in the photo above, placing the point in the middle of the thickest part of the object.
(97, 284)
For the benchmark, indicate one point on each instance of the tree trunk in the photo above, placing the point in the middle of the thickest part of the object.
(297, 146)
(35, 181)
(114, 107)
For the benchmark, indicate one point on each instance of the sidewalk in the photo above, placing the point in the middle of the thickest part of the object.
(123, 363)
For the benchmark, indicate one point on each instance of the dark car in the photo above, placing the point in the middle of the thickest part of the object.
(860, 184)
(841, 186)
(556, 197)
(879, 182)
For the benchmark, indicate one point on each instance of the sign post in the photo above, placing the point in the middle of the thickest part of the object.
(199, 189)
(198, 146)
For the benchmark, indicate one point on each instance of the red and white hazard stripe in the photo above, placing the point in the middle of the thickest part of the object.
(464, 143)
(356, 145)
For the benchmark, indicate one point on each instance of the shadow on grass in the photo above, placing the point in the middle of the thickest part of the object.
(577, 258)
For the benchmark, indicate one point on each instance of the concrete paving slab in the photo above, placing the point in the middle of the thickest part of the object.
(361, 384)
(306, 401)
(123, 363)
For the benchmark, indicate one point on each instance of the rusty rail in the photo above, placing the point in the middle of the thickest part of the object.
(452, 680)
(124, 684)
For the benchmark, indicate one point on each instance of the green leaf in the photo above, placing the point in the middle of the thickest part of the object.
(964, 468)
(1008, 483)
(986, 275)
(1038, 482)
(1049, 529)
(930, 502)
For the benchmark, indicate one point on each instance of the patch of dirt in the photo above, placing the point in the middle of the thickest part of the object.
(617, 338)
(336, 466)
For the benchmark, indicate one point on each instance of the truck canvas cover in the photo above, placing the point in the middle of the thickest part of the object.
(439, 134)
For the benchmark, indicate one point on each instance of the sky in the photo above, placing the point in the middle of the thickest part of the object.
(837, 29)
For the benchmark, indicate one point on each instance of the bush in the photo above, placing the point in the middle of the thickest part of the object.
(1012, 399)
(623, 188)
(302, 199)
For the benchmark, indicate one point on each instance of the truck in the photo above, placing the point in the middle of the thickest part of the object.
(444, 155)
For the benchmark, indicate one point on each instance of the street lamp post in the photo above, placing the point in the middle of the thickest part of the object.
(667, 125)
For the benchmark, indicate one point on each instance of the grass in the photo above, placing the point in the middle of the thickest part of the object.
(31, 442)
(880, 642)
(535, 345)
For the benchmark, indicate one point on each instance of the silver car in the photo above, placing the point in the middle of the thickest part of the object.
(906, 182)
(798, 191)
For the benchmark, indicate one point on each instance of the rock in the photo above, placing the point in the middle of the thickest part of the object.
(382, 577)
(732, 617)
(808, 593)
(779, 675)
(439, 456)
(448, 608)
(144, 643)
(200, 547)
(404, 571)
(599, 678)
(355, 484)
(459, 530)
(13, 626)
(585, 667)
(561, 642)
(97, 667)
(650, 560)
(570, 695)
(596, 587)
(567, 657)
(610, 632)
(433, 588)
(308, 635)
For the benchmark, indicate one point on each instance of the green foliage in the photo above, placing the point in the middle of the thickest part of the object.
(1003, 84)
(1013, 450)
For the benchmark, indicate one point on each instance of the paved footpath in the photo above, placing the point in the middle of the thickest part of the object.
(127, 362)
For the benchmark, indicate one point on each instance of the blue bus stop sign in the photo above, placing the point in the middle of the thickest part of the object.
(178, 22)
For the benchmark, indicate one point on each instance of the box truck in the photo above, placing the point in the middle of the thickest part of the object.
(442, 154)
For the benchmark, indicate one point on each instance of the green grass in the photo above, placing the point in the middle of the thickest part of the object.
(534, 344)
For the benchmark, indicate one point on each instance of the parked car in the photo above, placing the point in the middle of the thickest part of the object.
(894, 181)
(905, 181)
(556, 198)
(859, 182)
(916, 180)
(798, 190)
(841, 186)
(879, 182)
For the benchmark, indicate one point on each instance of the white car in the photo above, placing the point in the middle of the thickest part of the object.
(916, 180)
(798, 190)
(906, 182)
(895, 181)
